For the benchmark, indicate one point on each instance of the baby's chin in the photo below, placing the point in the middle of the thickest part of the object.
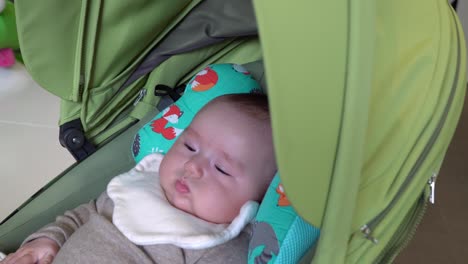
(215, 218)
(182, 204)
(178, 202)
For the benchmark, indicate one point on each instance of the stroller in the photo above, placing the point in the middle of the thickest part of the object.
(364, 95)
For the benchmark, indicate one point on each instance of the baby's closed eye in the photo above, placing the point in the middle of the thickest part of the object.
(189, 147)
(223, 171)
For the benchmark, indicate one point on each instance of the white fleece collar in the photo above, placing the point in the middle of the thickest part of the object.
(143, 214)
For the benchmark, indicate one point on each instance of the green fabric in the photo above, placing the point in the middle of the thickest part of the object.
(8, 33)
(97, 50)
(87, 57)
(105, 44)
(376, 84)
(307, 76)
(173, 72)
(415, 115)
(337, 109)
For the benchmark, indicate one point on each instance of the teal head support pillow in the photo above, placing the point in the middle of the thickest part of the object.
(215, 80)
(280, 235)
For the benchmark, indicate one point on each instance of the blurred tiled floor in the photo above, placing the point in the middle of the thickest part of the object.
(30, 153)
(442, 236)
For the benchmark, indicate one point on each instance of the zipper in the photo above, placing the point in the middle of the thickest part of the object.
(141, 95)
(371, 225)
(432, 182)
(365, 229)
(368, 228)
(405, 232)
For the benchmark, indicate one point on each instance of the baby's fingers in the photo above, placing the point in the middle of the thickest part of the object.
(8, 258)
(19, 259)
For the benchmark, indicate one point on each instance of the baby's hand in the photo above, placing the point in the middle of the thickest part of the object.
(40, 251)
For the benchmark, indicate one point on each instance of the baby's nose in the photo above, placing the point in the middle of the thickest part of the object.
(193, 169)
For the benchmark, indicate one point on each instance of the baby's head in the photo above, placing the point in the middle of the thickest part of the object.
(222, 160)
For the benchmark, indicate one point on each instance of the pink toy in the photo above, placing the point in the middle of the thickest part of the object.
(7, 58)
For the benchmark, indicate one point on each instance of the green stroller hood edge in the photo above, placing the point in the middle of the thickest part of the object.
(335, 85)
(374, 81)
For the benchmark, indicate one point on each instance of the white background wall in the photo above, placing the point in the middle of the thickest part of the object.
(30, 154)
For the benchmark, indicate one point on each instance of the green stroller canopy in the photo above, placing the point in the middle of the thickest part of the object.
(364, 105)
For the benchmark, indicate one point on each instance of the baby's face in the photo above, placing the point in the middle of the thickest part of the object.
(222, 160)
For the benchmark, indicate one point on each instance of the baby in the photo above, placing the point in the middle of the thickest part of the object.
(219, 164)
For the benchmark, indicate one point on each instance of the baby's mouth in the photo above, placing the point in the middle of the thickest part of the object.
(181, 186)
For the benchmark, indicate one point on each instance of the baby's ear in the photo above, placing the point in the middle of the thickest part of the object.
(150, 163)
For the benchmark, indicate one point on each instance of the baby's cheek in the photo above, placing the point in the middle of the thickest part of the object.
(183, 204)
(208, 205)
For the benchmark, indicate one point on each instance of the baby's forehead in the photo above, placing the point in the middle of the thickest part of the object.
(218, 102)
(229, 107)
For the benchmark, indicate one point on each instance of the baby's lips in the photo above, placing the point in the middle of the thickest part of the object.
(182, 187)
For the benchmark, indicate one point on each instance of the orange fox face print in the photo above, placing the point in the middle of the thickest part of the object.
(204, 80)
(170, 117)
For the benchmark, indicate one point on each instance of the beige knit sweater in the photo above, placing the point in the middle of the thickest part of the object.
(87, 235)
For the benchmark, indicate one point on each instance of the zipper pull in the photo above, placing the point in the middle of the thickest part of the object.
(431, 183)
(365, 229)
(140, 96)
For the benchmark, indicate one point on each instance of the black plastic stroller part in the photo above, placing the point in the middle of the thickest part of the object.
(162, 90)
(71, 137)
(168, 95)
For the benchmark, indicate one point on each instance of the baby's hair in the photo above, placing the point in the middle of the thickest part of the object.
(253, 104)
